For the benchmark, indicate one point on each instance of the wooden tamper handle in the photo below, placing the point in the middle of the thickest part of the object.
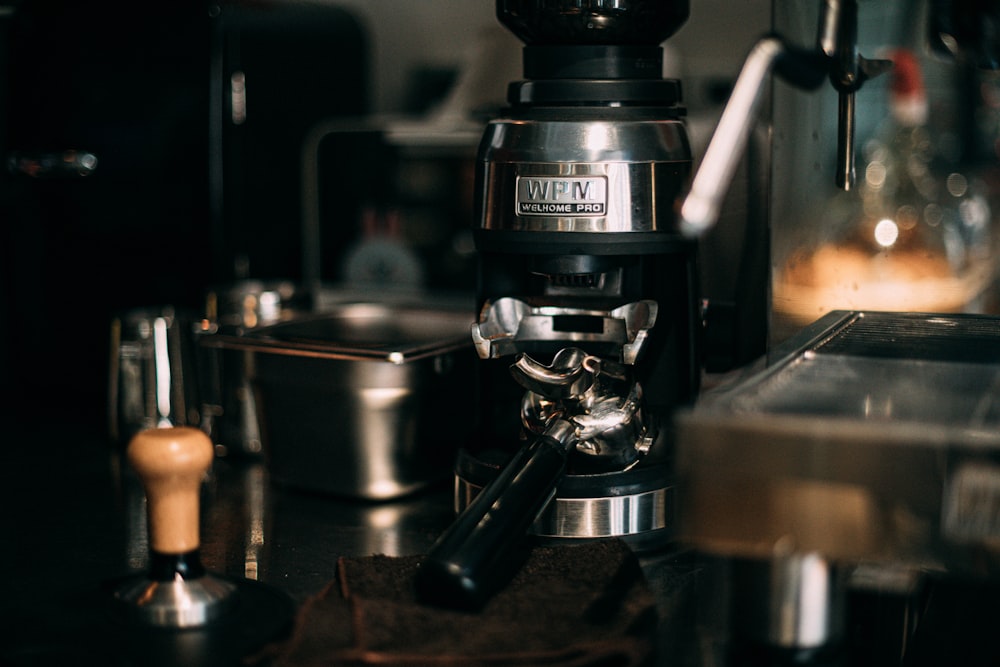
(172, 462)
(177, 592)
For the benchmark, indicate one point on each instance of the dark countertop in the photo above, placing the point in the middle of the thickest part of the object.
(81, 515)
(77, 517)
(76, 520)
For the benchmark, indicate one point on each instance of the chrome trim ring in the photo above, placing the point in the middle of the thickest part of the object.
(598, 517)
(596, 175)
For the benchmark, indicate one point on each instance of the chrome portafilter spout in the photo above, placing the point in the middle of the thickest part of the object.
(177, 591)
(579, 406)
(597, 396)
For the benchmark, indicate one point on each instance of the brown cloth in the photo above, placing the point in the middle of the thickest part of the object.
(582, 605)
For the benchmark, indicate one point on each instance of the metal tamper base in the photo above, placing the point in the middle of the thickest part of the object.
(177, 592)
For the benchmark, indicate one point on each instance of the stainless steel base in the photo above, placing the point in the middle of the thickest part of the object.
(176, 604)
(635, 505)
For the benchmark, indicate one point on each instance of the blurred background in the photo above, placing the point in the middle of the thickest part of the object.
(153, 151)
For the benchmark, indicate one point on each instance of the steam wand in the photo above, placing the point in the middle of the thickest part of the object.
(835, 58)
(806, 69)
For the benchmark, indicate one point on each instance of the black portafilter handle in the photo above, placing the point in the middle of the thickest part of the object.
(486, 545)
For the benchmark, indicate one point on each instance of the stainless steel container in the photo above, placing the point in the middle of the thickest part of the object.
(229, 414)
(152, 379)
(366, 400)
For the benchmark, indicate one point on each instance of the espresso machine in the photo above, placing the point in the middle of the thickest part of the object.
(579, 250)
(589, 312)
(591, 326)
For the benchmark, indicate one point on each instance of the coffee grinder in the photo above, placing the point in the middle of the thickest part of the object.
(587, 293)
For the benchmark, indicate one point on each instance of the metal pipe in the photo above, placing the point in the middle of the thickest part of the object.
(845, 176)
(792, 601)
(700, 210)
(838, 39)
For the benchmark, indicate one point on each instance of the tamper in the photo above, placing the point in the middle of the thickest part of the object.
(172, 613)
(177, 591)
(178, 614)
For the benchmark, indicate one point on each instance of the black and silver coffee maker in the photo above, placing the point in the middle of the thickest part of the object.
(586, 289)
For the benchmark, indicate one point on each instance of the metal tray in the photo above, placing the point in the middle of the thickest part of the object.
(361, 331)
(365, 400)
(871, 436)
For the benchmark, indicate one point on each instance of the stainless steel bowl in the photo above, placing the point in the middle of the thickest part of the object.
(366, 400)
